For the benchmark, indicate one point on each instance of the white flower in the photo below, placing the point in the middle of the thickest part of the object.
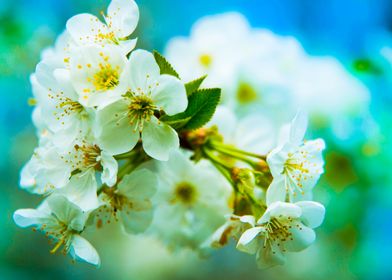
(97, 74)
(191, 202)
(121, 124)
(295, 165)
(210, 49)
(60, 109)
(72, 171)
(284, 227)
(130, 201)
(62, 221)
(121, 20)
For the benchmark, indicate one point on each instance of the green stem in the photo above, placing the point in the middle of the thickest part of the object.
(229, 148)
(236, 155)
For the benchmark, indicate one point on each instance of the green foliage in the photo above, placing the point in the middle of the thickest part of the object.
(194, 85)
(201, 107)
(164, 65)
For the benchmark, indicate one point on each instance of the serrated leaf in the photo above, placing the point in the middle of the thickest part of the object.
(164, 65)
(201, 107)
(194, 85)
(178, 123)
(202, 104)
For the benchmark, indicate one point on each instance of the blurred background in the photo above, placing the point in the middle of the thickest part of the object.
(355, 242)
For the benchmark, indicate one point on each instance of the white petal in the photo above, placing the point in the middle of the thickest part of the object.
(301, 238)
(123, 16)
(248, 242)
(82, 190)
(298, 128)
(139, 185)
(270, 256)
(67, 212)
(29, 217)
(136, 221)
(170, 95)
(110, 168)
(248, 219)
(312, 213)
(83, 28)
(276, 191)
(277, 158)
(226, 121)
(141, 71)
(159, 139)
(277, 209)
(114, 133)
(127, 46)
(82, 250)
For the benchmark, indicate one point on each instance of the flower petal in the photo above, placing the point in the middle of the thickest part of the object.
(159, 139)
(141, 71)
(114, 133)
(29, 217)
(301, 238)
(82, 190)
(276, 191)
(248, 242)
(170, 95)
(84, 29)
(312, 213)
(270, 256)
(298, 128)
(136, 221)
(123, 17)
(139, 185)
(110, 168)
(82, 250)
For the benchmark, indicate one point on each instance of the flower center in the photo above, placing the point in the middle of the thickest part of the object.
(141, 109)
(246, 93)
(64, 105)
(107, 78)
(110, 36)
(90, 156)
(277, 231)
(205, 60)
(185, 193)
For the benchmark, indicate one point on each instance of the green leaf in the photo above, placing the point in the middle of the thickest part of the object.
(194, 85)
(164, 65)
(201, 107)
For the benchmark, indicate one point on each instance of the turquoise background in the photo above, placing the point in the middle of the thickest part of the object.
(355, 241)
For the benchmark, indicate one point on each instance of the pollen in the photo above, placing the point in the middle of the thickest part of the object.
(107, 78)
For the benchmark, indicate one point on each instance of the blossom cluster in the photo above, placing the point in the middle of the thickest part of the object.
(123, 139)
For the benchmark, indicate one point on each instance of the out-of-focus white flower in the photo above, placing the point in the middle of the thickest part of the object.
(121, 20)
(253, 133)
(295, 165)
(284, 227)
(191, 202)
(121, 124)
(211, 49)
(130, 201)
(62, 221)
(325, 89)
(98, 74)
